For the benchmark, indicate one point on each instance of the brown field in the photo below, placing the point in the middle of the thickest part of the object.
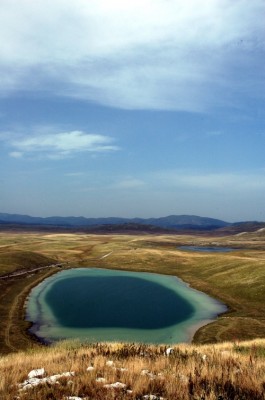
(227, 371)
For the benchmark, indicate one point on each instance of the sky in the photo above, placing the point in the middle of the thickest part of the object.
(141, 108)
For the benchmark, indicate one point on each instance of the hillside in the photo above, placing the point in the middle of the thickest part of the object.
(128, 227)
(239, 227)
(71, 371)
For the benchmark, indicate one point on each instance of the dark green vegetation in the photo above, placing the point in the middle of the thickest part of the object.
(236, 278)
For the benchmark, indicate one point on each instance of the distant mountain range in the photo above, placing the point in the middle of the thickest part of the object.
(171, 222)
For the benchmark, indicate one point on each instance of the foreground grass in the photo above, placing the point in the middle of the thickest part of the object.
(228, 371)
(236, 278)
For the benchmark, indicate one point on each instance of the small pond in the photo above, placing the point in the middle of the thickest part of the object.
(207, 249)
(104, 305)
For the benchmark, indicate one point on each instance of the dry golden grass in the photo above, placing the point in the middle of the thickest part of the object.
(228, 371)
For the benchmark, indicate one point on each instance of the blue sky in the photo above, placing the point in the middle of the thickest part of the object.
(143, 108)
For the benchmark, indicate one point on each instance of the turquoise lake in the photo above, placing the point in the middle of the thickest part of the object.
(95, 305)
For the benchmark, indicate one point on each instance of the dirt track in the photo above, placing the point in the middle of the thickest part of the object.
(23, 272)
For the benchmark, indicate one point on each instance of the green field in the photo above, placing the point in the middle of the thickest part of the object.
(236, 278)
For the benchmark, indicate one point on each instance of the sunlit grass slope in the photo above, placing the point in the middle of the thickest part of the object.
(224, 371)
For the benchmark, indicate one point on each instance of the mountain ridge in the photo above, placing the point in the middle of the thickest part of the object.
(169, 222)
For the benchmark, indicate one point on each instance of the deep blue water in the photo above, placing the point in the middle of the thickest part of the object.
(116, 301)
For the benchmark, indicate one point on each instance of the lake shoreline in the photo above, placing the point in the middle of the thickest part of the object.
(191, 330)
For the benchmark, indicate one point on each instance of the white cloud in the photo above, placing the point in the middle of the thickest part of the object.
(16, 154)
(61, 145)
(161, 54)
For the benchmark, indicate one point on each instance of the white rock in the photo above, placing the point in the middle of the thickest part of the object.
(204, 357)
(169, 351)
(35, 381)
(53, 378)
(73, 398)
(152, 397)
(145, 372)
(101, 380)
(36, 373)
(116, 385)
(28, 386)
(90, 368)
(110, 363)
(121, 369)
(32, 382)
(72, 373)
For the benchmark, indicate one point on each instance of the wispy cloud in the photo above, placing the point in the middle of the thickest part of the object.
(60, 145)
(74, 174)
(223, 181)
(129, 183)
(186, 55)
(16, 154)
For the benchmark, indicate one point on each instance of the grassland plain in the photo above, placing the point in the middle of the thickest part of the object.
(230, 370)
(236, 278)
